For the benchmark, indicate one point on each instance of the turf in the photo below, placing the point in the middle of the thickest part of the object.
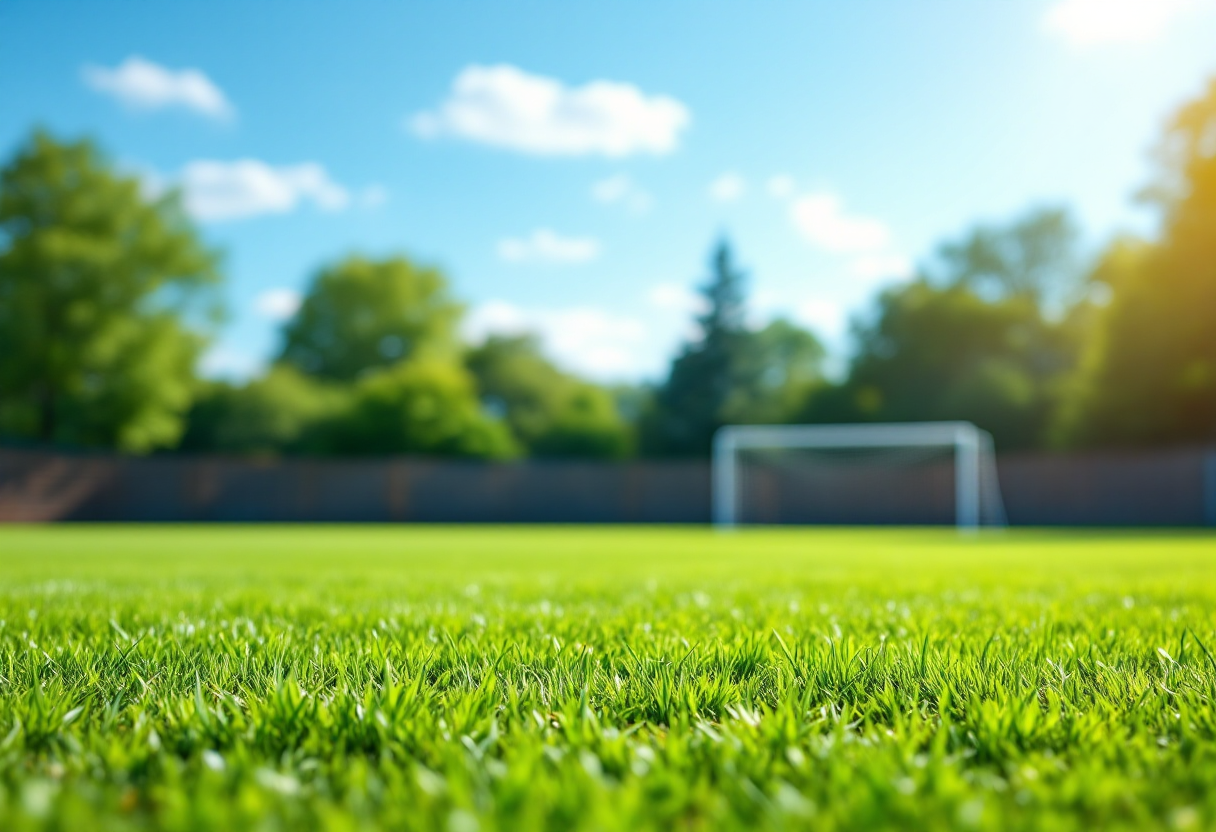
(522, 678)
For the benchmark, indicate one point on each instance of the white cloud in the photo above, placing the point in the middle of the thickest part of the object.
(622, 190)
(547, 246)
(727, 188)
(1085, 23)
(496, 317)
(678, 306)
(826, 317)
(152, 183)
(780, 186)
(881, 266)
(216, 190)
(864, 241)
(505, 106)
(142, 84)
(675, 297)
(584, 339)
(277, 304)
(823, 317)
(226, 362)
(820, 218)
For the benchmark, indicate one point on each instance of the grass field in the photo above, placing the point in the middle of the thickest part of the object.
(546, 678)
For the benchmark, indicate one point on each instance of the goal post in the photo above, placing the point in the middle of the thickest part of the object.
(959, 451)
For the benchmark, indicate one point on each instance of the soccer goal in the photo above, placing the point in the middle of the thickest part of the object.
(922, 473)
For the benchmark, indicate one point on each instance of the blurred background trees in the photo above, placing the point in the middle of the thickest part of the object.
(730, 373)
(988, 332)
(425, 394)
(278, 412)
(709, 374)
(423, 406)
(1149, 375)
(107, 295)
(550, 413)
(360, 315)
(103, 302)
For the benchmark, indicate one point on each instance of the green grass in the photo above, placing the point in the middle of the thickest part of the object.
(520, 678)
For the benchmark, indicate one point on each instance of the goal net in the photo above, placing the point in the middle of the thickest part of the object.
(926, 473)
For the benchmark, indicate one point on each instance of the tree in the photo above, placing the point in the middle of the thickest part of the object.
(1033, 257)
(586, 425)
(730, 374)
(422, 406)
(985, 334)
(551, 413)
(360, 315)
(783, 365)
(1149, 377)
(692, 403)
(103, 296)
(943, 353)
(277, 413)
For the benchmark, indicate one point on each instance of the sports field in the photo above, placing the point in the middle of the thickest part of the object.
(605, 678)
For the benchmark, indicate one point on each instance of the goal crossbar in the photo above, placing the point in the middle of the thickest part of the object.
(967, 441)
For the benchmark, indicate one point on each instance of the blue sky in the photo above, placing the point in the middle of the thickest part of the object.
(570, 164)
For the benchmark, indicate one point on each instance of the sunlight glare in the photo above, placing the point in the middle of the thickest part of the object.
(1097, 22)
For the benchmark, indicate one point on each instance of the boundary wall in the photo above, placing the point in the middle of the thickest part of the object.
(1157, 488)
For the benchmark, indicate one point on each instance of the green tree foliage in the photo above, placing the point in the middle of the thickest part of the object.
(783, 364)
(426, 406)
(587, 425)
(102, 295)
(1150, 374)
(694, 401)
(1033, 257)
(971, 338)
(360, 315)
(277, 413)
(939, 353)
(551, 413)
(427, 403)
(731, 374)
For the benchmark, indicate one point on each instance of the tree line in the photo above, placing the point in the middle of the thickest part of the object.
(107, 298)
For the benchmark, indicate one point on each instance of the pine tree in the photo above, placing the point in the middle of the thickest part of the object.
(692, 403)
